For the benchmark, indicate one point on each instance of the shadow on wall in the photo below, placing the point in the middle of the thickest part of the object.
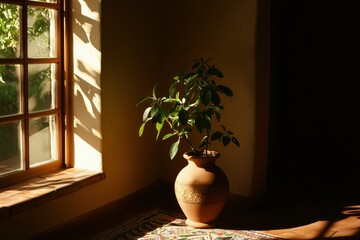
(84, 22)
(87, 87)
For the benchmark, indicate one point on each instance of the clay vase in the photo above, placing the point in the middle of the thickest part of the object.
(201, 189)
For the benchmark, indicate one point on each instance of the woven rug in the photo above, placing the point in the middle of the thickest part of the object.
(160, 225)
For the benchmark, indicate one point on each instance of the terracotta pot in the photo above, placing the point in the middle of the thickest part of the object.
(201, 189)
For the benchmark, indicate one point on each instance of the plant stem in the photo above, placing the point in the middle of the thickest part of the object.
(187, 140)
(191, 146)
(207, 141)
(170, 124)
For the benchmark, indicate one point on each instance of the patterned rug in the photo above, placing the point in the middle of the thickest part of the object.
(160, 225)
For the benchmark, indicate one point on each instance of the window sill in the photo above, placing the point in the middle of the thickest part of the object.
(39, 190)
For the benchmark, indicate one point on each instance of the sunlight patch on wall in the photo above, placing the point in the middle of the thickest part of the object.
(88, 11)
(87, 87)
(87, 157)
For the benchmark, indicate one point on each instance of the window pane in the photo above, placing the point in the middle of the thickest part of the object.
(43, 141)
(10, 151)
(9, 31)
(41, 89)
(9, 89)
(41, 32)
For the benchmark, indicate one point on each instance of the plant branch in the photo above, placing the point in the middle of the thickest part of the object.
(191, 146)
(207, 141)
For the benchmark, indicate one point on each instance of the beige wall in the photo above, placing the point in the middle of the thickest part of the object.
(145, 43)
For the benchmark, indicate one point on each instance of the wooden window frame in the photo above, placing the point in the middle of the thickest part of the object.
(61, 93)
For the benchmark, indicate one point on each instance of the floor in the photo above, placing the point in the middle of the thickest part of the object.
(299, 218)
(286, 218)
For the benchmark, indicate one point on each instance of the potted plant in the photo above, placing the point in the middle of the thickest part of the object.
(193, 104)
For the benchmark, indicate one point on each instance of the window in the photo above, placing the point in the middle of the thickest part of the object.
(31, 86)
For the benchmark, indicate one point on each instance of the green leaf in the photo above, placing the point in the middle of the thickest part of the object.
(189, 77)
(234, 140)
(209, 112)
(153, 92)
(183, 116)
(146, 113)
(141, 129)
(215, 99)
(159, 126)
(216, 136)
(162, 115)
(189, 94)
(199, 123)
(205, 96)
(224, 89)
(214, 71)
(157, 114)
(226, 140)
(173, 89)
(174, 149)
(168, 136)
(143, 99)
(219, 107)
(207, 122)
(154, 114)
(174, 110)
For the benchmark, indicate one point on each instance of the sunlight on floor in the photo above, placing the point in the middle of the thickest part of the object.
(345, 225)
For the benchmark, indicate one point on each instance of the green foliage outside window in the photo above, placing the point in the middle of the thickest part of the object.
(9, 29)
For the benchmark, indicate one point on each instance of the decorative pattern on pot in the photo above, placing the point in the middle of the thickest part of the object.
(201, 194)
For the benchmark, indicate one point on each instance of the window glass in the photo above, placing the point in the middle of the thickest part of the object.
(41, 87)
(9, 89)
(41, 32)
(42, 140)
(10, 142)
(9, 30)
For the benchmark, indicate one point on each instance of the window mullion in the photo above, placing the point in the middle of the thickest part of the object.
(25, 106)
